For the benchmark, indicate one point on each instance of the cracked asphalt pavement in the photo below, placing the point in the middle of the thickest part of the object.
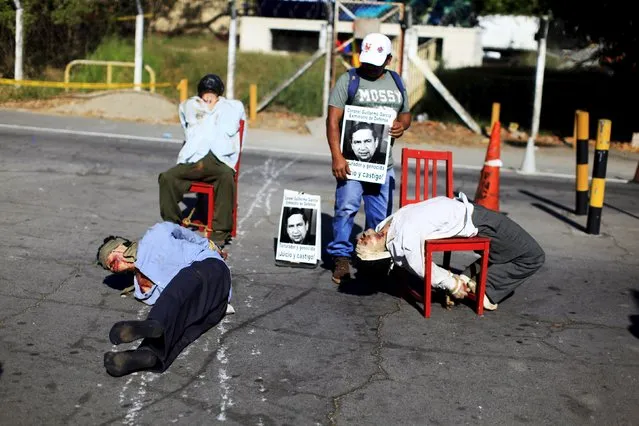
(564, 349)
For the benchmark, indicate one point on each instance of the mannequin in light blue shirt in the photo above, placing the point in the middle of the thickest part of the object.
(186, 280)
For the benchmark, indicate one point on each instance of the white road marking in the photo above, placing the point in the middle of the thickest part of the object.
(136, 399)
(260, 149)
(225, 387)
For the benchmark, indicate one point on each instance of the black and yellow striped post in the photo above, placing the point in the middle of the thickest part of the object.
(598, 177)
(574, 131)
(581, 204)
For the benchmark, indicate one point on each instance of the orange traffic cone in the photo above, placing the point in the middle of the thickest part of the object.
(487, 194)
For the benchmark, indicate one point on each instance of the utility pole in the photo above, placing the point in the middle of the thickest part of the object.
(528, 165)
(139, 35)
(328, 56)
(230, 73)
(17, 71)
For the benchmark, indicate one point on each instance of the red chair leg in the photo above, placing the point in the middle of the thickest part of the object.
(482, 280)
(234, 226)
(427, 283)
(209, 213)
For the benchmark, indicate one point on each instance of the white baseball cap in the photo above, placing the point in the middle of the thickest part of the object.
(375, 49)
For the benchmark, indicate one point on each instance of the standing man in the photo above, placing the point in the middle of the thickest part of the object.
(210, 153)
(371, 85)
(184, 277)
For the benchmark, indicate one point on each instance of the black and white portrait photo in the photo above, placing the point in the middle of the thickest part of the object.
(365, 142)
(298, 226)
(299, 237)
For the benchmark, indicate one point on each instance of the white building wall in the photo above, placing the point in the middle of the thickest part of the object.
(503, 32)
(461, 47)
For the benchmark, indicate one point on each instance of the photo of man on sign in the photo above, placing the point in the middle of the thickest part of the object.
(366, 142)
(296, 226)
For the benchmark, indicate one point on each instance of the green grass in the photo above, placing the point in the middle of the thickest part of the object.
(190, 57)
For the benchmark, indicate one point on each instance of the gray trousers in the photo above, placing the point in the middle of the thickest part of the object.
(514, 254)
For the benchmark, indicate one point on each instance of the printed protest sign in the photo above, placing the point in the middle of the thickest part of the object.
(299, 232)
(365, 142)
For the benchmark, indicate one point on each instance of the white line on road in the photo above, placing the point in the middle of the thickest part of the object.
(86, 133)
(253, 148)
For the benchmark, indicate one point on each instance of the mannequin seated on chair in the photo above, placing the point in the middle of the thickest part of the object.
(210, 153)
(514, 254)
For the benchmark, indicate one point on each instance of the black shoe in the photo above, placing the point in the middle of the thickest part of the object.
(119, 364)
(130, 331)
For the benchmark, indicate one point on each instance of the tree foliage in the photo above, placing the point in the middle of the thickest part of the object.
(610, 23)
(57, 31)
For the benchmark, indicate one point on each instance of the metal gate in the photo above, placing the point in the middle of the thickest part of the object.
(359, 17)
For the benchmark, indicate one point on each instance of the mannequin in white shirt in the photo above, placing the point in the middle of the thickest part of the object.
(514, 254)
(211, 150)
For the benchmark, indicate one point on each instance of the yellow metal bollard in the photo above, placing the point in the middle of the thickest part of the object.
(581, 201)
(109, 73)
(574, 131)
(252, 102)
(598, 177)
(183, 87)
(494, 115)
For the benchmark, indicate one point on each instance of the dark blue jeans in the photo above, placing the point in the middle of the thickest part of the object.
(378, 205)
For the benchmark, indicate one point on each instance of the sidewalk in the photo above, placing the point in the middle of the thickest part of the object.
(551, 161)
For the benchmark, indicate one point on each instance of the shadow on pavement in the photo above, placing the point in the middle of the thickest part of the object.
(621, 210)
(547, 201)
(634, 319)
(369, 278)
(560, 217)
(375, 277)
(119, 281)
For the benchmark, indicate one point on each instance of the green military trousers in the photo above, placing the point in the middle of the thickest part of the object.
(176, 181)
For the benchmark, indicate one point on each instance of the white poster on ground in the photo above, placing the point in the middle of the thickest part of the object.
(365, 142)
(299, 231)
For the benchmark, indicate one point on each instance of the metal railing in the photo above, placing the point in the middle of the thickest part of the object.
(416, 82)
(109, 67)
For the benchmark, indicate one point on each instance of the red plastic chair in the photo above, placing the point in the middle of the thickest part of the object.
(447, 245)
(208, 191)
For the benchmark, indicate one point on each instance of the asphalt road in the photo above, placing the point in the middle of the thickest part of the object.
(563, 350)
